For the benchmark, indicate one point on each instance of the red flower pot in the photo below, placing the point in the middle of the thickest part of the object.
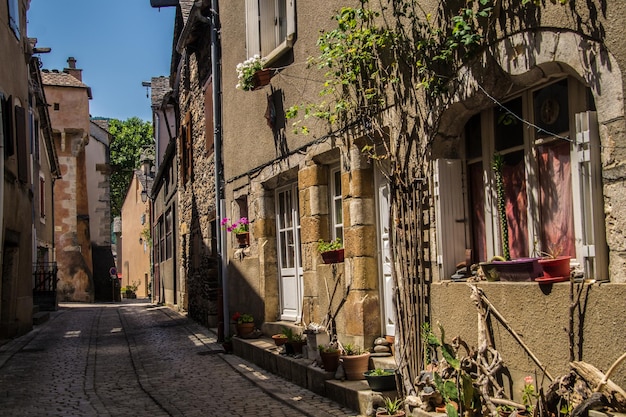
(555, 268)
(332, 256)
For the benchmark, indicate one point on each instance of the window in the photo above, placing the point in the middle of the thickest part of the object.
(14, 17)
(270, 27)
(546, 202)
(21, 138)
(42, 199)
(336, 208)
(157, 243)
(185, 147)
(168, 234)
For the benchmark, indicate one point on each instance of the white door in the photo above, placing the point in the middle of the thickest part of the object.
(289, 258)
(384, 256)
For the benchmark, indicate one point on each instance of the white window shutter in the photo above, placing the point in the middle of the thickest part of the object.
(588, 197)
(449, 209)
(267, 24)
(252, 28)
(291, 20)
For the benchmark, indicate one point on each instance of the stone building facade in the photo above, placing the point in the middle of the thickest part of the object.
(284, 184)
(69, 99)
(98, 172)
(27, 172)
(298, 189)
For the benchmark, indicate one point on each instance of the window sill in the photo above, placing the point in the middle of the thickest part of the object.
(279, 51)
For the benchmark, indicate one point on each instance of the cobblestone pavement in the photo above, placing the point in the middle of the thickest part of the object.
(138, 359)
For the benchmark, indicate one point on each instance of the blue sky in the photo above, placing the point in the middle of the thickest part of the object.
(117, 43)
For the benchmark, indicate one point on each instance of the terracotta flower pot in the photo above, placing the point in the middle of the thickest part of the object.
(262, 78)
(396, 414)
(355, 365)
(244, 329)
(279, 339)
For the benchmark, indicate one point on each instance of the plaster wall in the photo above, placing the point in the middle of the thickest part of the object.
(16, 235)
(540, 315)
(135, 262)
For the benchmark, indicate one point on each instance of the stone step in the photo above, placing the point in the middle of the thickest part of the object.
(304, 372)
(40, 317)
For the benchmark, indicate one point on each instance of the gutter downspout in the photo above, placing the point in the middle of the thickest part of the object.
(216, 60)
(1, 182)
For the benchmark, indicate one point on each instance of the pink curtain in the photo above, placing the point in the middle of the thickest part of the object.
(477, 193)
(516, 207)
(556, 207)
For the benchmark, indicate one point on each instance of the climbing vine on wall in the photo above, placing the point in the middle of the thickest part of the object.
(389, 70)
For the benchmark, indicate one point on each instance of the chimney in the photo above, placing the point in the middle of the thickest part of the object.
(76, 73)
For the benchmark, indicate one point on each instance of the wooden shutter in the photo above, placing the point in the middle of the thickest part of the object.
(7, 121)
(587, 193)
(22, 148)
(252, 28)
(449, 206)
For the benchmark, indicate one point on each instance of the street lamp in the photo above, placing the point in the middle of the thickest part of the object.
(146, 169)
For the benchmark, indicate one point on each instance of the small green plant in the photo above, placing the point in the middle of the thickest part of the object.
(497, 165)
(246, 71)
(553, 252)
(529, 395)
(392, 406)
(242, 318)
(291, 335)
(328, 348)
(323, 246)
(380, 372)
(351, 350)
(132, 287)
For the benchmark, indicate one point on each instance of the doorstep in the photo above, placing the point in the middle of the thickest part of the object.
(355, 395)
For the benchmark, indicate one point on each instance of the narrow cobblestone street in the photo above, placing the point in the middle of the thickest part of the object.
(137, 359)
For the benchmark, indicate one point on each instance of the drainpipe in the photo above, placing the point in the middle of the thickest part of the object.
(1, 182)
(216, 60)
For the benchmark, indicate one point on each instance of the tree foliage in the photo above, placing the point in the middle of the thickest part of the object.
(128, 139)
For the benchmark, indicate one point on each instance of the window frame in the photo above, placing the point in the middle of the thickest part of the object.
(256, 15)
(588, 234)
(14, 17)
(335, 195)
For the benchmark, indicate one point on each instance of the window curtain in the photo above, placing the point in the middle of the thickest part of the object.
(516, 204)
(556, 208)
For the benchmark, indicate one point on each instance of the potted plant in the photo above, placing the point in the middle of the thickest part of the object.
(502, 267)
(131, 290)
(555, 267)
(239, 229)
(329, 356)
(227, 344)
(251, 75)
(355, 362)
(380, 379)
(244, 323)
(332, 252)
(295, 341)
(279, 339)
(391, 408)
